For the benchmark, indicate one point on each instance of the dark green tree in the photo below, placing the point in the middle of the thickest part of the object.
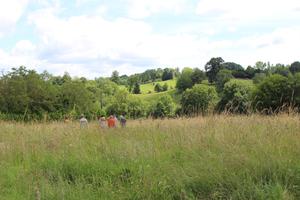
(158, 87)
(198, 99)
(197, 76)
(136, 89)
(164, 107)
(115, 77)
(236, 97)
(165, 87)
(274, 93)
(213, 67)
(184, 81)
(223, 77)
(295, 67)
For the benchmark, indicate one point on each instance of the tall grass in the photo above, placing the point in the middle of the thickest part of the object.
(215, 157)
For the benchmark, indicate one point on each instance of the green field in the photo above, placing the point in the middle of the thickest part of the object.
(149, 87)
(214, 157)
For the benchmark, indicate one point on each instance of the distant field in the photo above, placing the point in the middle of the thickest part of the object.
(154, 96)
(215, 157)
(149, 87)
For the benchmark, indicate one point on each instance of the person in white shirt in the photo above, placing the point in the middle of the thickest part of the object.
(83, 122)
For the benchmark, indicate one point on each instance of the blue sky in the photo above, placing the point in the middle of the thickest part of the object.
(94, 37)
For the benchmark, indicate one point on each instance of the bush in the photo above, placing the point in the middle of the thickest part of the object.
(165, 87)
(185, 81)
(236, 97)
(136, 108)
(259, 77)
(158, 88)
(164, 107)
(223, 77)
(273, 93)
(198, 99)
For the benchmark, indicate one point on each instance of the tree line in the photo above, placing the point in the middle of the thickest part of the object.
(222, 87)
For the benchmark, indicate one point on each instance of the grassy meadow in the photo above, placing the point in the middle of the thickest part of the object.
(214, 157)
(149, 87)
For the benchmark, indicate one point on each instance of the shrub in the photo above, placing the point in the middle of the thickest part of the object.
(198, 99)
(185, 81)
(236, 97)
(223, 77)
(165, 87)
(158, 88)
(259, 77)
(273, 93)
(164, 107)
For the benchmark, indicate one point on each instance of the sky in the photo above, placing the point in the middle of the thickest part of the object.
(92, 38)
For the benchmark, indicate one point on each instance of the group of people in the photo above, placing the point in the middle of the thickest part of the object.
(110, 122)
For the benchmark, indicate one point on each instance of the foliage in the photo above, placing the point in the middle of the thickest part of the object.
(236, 97)
(136, 108)
(274, 93)
(115, 77)
(165, 87)
(212, 68)
(198, 76)
(23, 92)
(281, 69)
(259, 77)
(164, 107)
(158, 88)
(136, 89)
(118, 104)
(198, 99)
(184, 81)
(168, 74)
(236, 69)
(223, 77)
(295, 67)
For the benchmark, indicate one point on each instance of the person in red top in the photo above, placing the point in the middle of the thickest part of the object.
(111, 122)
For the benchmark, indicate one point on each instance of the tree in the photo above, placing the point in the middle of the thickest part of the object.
(75, 96)
(213, 67)
(295, 67)
(261, 66)
(274, 93)
(136, 107)
(236, 96)
(136, 89)
(158, 88)
(232, 66)
(118, 104)
(184, 81)
(165, 87)
(106, 90)
(259, 77)
(250, 71)
(223, 77)
(115, 77)
(281, 69)
(26, 94)
(132, 80)
(168, 74)
(197, 76)
(236, 69)
(164, 107)
(198, 99)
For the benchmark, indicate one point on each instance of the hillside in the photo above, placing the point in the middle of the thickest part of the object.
(149, 87)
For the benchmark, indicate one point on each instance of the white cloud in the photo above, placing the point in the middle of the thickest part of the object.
(145, 8)
(94, 46)
(247, 10)
(10, 13)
